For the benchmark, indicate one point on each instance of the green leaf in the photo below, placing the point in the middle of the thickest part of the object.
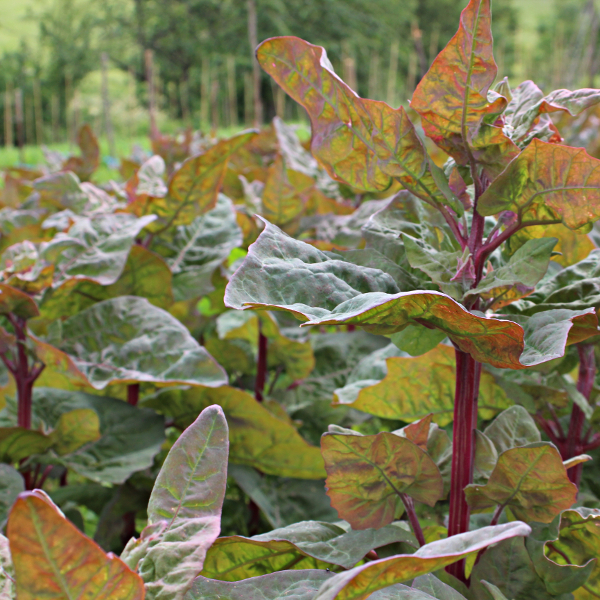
(257, 437)
(285, 274)
(145, 275)
(11, 485)
(508, 566)
(405, 214)
(486, 456)
(130, 437)
(558, 578)
(579, 543)
(7, 574)
(454, 96)
(495, 592)
(360, 582)
(17, 443)
(288, 585)
(194, 251)
(283, 500)
(410, 388)
(17, 302)
(436, 588)
(360, 142)
(194, 187)
(128, 340)
(519, 276)
(573, 288)
(531, 480)
(538, 192)
(95, 247)
(512, 427)
(184, 511)
(441, 266)
(52, 558)
(417, 340)
(309, 544)
(367, 476)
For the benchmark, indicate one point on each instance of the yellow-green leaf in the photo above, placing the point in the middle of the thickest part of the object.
(415, 387)
(531, 480)
(75, 429)
(257, 437)
(547, 183)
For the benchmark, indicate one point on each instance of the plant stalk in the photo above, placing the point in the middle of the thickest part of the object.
(261, 366)
(133, 393)
(468, 372)
(585, 383)
(412, 517)
(23, 380)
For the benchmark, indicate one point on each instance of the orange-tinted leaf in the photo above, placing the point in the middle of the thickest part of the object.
(453, 100)
(547, 183)
(194, 188)
(532, 480)
(367, 474)
(53, 560)
(16, 302)
(360, 142)
(85, 165)
(418, 432)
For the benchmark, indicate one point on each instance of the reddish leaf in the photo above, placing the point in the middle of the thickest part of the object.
(366, 476)
(452, 98)
(360, 142)
(547, 183)
(53, 560)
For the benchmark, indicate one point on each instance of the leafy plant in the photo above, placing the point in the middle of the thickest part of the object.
(446, 366)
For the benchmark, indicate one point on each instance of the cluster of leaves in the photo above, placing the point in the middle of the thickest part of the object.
(446, 365)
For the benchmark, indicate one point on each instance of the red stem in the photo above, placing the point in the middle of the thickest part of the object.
(585, 383)
(133, 393)
(468, 372)
(261, 366)
(23, 378)
(412, 517)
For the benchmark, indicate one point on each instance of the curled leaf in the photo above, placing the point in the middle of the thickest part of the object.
(359, 583)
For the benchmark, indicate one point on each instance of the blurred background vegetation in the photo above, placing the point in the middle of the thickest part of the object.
(66, 62)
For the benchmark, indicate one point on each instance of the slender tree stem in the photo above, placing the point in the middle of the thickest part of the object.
(412, 517)
(261, 366)
(468, 372)
(585, 383)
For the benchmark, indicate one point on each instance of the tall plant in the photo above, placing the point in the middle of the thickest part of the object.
(448, 231)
